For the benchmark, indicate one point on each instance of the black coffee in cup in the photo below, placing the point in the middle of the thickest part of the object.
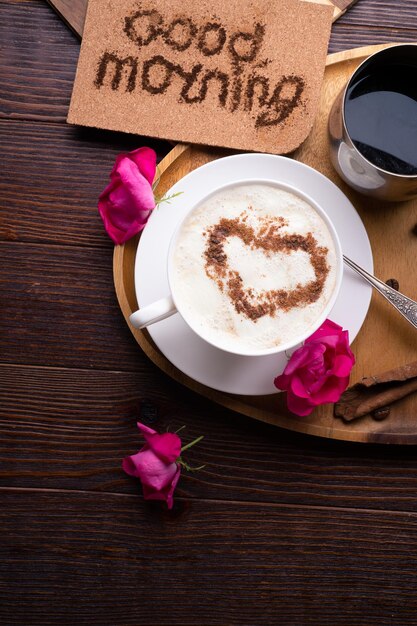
(381, 110)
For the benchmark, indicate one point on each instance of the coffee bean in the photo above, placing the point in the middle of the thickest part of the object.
(381, 414)
(393, 282)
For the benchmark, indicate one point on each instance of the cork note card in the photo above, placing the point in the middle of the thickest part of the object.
(242, 74)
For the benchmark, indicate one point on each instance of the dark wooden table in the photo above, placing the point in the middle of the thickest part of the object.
(278, 528)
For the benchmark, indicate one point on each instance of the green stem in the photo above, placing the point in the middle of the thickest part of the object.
(192, 443)
(168, 199)
(185, 465)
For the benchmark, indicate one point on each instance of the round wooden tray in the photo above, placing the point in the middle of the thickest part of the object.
(385, 340)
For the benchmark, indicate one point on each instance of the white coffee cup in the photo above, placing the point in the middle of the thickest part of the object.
(171, 304)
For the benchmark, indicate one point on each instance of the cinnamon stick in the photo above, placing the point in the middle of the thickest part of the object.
(375, 392)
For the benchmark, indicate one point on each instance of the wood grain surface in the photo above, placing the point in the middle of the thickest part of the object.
(81, 543)
(279, 528)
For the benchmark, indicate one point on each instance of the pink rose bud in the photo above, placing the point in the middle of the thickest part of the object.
(319, 371)
(128, 199)
(155, 465)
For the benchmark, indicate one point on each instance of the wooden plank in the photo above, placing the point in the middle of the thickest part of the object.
(72, 12)
(38, 62)
(395, 14)
(70, 428)
(80, 558)
(59, 308)
(346, 36)
(59, 172)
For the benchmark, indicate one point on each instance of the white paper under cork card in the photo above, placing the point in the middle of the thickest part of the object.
(243, 74)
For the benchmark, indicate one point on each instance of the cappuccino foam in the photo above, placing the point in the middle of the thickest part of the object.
(254, 267)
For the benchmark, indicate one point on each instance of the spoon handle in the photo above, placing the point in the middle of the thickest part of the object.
(406, 306)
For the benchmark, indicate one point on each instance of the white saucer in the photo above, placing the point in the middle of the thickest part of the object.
(192, 355)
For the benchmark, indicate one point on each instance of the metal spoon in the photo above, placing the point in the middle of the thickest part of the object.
(406, 306)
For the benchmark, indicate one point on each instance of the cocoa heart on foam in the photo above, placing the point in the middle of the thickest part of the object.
(271, 239)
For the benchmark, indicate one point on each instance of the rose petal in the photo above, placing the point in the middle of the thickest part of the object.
(282, 382)
(170, 494)
(318, 372)
(343, 345)
(145, 159)
(137, 189)
(151, 470)
(166, 446)
(129, 465)
(126, 202)
(343, 364)
(303, 356)
(313, 379)
(297, 387)
(328, 328)
(299, 406)
(330, 342)
(166, 493)
(120, 217)
(145, 430)
(315, 354)
(331, 390)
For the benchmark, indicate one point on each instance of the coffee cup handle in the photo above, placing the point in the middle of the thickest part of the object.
(152, 313)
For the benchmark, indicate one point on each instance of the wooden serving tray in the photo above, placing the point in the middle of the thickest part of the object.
(385, 341)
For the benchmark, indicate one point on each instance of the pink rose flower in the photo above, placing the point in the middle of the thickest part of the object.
(318, 372)
(155, 465)
(128, 199)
